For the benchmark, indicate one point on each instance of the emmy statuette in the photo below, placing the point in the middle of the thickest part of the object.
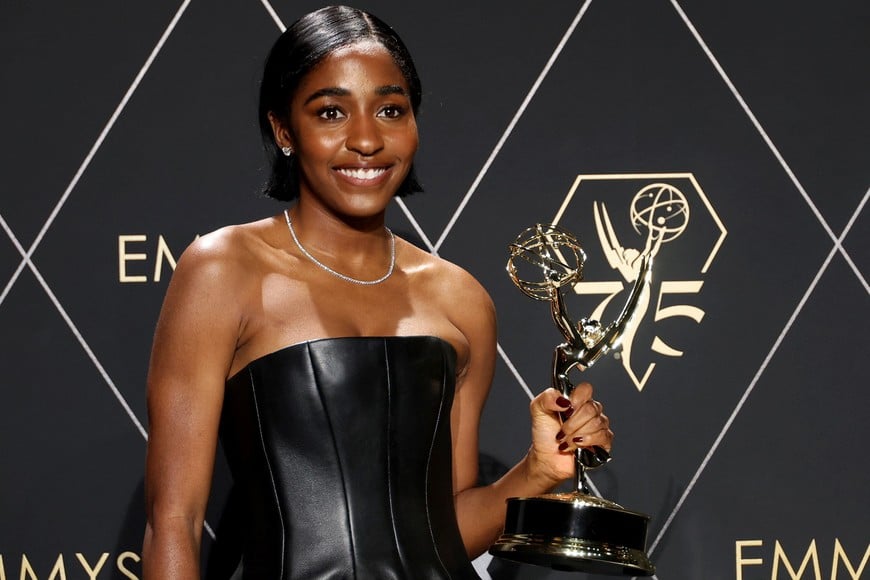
(574, 531)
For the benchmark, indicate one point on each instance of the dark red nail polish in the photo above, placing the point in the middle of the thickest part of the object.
(563, 402)
(577, 440)
(567, 414)
(563, 446)
(560, 435)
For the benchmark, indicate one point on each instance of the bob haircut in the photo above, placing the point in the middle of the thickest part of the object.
(296, 52)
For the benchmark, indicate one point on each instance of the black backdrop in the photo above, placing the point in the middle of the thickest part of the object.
(129, 127)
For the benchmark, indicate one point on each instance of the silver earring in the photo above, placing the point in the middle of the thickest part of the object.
(287, 151)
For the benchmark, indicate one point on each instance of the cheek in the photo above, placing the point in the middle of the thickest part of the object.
(309, 138)
(409, 140)
(317, 144)
(415, 136)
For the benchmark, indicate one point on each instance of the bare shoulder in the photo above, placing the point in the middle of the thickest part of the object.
(217, 275)
(463, 300)
(227, 244)
(448, 280)
(209, 298)
(229, 253)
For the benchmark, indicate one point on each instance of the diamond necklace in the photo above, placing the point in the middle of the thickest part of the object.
(339, 274)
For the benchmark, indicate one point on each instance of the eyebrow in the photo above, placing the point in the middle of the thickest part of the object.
(391, 90)
(340, 92)
(327, 92)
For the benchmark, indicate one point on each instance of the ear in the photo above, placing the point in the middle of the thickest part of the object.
(280, 131)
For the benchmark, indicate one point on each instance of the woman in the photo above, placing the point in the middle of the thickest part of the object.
(356, 446)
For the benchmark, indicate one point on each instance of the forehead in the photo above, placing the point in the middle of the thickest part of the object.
(360, 65)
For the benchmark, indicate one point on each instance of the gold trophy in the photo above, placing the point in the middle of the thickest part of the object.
(574, 531)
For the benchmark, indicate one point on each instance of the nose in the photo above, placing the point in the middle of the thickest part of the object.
(364, 135)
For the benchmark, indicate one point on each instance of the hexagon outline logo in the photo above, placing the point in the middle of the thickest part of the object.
(660, 212)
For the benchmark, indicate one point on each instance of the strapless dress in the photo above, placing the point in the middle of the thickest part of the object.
(341, 451)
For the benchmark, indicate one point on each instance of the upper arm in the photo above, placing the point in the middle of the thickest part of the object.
(474, 315)
(193, 349)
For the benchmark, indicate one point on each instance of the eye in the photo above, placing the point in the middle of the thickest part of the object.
(330, 113)
(391, 111)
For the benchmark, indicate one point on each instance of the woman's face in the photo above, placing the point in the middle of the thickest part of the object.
(353, 130)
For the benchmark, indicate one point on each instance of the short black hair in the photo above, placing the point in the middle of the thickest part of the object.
(296, 52)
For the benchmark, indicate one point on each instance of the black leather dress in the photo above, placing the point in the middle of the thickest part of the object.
(341, 448)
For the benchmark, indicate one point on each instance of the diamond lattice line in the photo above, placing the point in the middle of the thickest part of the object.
(837, 247)
(416, 225)
(78, 335)
(507, 132)
(743, 399)
(26, 255)
(855, 215)
(26, 260)
(278, 22)
(769, 143)
(94, 148)
(758, 374)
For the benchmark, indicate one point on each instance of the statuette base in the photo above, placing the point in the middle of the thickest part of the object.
(575, 532)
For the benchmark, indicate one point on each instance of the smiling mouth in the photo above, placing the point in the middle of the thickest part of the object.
(363, 174)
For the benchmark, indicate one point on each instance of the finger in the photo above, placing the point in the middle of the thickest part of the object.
(585, 416)
(547, 431)
(578, 396)
(550, 401)
(582, 392)
(601, 438)
(587, 421)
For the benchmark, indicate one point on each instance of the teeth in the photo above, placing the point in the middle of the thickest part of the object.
(370, 173)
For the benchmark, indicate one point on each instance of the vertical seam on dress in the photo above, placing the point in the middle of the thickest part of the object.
(337, 457)
(389, 453)
(269, 467)
(429, 462)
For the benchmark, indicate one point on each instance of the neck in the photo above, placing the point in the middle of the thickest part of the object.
(334, 234)
(363, 253)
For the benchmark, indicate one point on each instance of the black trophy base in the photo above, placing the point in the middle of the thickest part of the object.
(575, 532)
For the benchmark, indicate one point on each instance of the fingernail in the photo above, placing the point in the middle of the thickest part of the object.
(563, 402)
(563, 446)
(560, 435)
(577, 440)
(567, 414)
